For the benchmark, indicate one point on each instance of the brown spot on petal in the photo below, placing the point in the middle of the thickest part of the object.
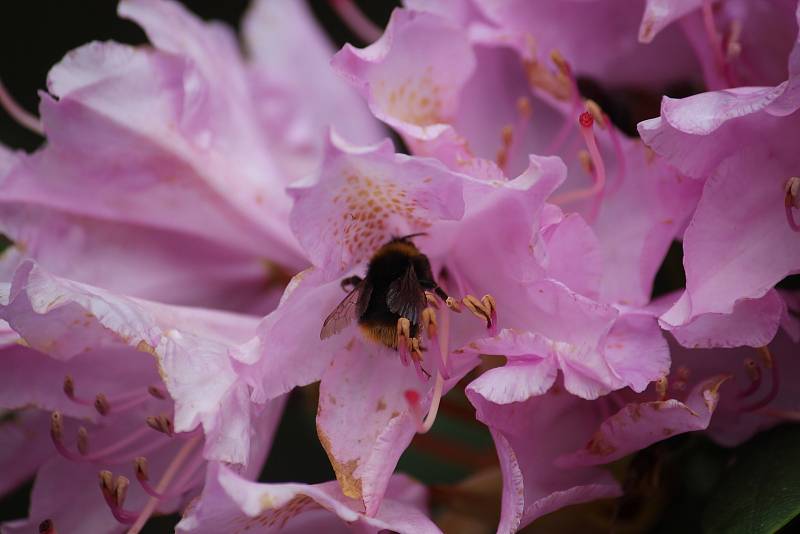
(381, 405)
(351, 486)
(599, 446)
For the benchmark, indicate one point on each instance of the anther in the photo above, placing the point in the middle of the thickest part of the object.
(433, 302)
(453, 304)
(56, 426)
(83, 441)
(769, 363)
(561, 64)
(682, 378)
(156, 392)
(101, 404)
(47, 527)
(114, 492)
(734, 47)
(403, 339)
(662, 385)
(792, 200)
(140, 467)
(69, 387)
(429, 322)
(160, 423)
(485, 309)
(106, 482)
(121, 489)
(417, 358)
(596, 112)
(754, 374)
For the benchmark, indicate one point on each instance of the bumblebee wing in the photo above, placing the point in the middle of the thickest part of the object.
(348, 309)
(406, 297)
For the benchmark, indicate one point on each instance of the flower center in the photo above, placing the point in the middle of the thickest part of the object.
(180, 476)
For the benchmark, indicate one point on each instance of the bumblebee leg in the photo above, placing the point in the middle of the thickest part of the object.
(350, 282)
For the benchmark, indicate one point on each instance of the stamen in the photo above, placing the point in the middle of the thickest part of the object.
(114, 493)
(83, 441)
(715, 40)
(102, 455)
(356, 21)
(514, 137)
(791, 201)
(433, 302)
(157, 392)
(403, 335)
(23, 117)
(169, 474)
(754, 374)
(771, 364)
(47, 527)
(662, 384)
(57, 435)
(161, 423)
(69, 391)
(101, 404)
(682, 379)
(734, 47)
(586, 121)
(417, 358)
(453, 304)
(565, 75)
(485, 309)
(564, 132)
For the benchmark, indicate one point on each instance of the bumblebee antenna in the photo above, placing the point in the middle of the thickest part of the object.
(409, 236)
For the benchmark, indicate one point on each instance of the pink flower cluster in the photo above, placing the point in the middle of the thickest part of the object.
(149, 337)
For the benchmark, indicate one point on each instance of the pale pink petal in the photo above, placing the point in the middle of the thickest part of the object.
(291, 52)
(364, 196)
(174, 147)
(411, 77)
(658, 14)
(531, 369)
(81, 328)
(230, 502)
(288, 352)
(25, 445)
(595, 47)
(363, 418)
(146, 262)
(753, 323)
(529, 437)
(639, 425)
(738, 244)
(638, 221)
(574, 256)
(636, 350)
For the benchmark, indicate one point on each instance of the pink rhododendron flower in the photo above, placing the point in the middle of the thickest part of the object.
(180, 148)
(740, 142)
(487, 111)
(166, 365)
(738, 42)
(149, 337)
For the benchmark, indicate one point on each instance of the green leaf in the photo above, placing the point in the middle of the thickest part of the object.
(760, 492)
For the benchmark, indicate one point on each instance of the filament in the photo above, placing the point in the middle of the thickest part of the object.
(18, 113)
(356, 20)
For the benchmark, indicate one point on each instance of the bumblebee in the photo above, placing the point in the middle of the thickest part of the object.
(389, 302)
